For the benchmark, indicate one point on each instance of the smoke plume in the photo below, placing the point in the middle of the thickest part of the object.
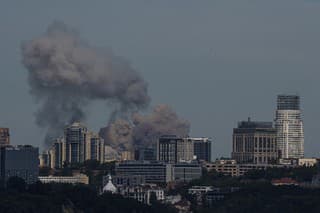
(144, 130)
(66, 74)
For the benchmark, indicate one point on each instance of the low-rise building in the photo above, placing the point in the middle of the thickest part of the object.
(307, 162)
(152, 172)
(186, 172)
(19, 161)
(125, 180)
(208, 194)
(232, 168)
(77, 179)
(143, 193)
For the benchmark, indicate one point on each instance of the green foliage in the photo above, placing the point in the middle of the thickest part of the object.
(69, 198)
(301, 174)
(16, 184)
(44, 171)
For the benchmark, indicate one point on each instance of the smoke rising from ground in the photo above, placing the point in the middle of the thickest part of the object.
(144, 130)
(66, 74)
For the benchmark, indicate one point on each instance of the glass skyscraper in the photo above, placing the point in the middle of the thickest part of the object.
(289, 125)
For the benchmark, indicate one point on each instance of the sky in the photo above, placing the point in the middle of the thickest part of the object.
(215, 62)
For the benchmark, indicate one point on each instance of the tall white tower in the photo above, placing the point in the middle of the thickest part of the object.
(288, 122)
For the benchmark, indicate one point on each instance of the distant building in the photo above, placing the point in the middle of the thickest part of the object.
(57, 153)
(186, 172)
(289, 125)
(77, 179)
(307, 162)
(202, 148)
(127, 155)
(143, 193)
(20, 161)
(145, 154)
(152, 172)
(75, 138)
(172, 149)
(94, 147)
(4, 137)
(209, 195)
(109, 187)
(77, 146)
(232, 168)
(255, 142)
(121, 180)
(44, 159)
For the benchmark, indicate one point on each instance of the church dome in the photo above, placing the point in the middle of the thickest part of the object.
(109, 187)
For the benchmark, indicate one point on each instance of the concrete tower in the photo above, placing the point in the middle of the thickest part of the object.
(288, 122)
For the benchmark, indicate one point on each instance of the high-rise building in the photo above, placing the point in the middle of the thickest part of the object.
(148, 154)
(57, 153)
(4, 137)
(254, 142)
(289, 125)
(202, 148)
(75, 139)
(172, 149)
(94, 147)
(20, 161)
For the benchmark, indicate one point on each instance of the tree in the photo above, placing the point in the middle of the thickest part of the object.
(16, 184)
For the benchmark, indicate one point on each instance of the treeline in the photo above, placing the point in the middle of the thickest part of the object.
(257, 194)
(17, 197)
(265, 198)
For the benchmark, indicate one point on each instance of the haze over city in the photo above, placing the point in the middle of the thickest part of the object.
(214, 62)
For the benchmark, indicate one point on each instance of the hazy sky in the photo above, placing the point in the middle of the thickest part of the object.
(215, 62)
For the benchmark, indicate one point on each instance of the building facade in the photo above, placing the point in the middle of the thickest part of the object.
(186, 172)
(143, 193)
(19, 161)
(4, 137)
(254, 142)
(289, 125)
(94, 147)
(152, 172)
(57, 153)
(77, 179)
(145, 154)
(121, 180)
(75, 137)
(172, 149)
(202, 148)
(232, 168)
(77, 146)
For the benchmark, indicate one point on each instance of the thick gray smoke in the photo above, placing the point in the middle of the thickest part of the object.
(66, 73)
(144, 130)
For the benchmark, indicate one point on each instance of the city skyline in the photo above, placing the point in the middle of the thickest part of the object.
(234, 74)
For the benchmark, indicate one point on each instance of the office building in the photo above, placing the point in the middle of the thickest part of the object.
(254, 142)
(145, 154)
(185, 172)
(152, 172)
(19, 161)
(289, 125)
(77, 179)
(202, 148)
(4, 137)
(172, 149)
